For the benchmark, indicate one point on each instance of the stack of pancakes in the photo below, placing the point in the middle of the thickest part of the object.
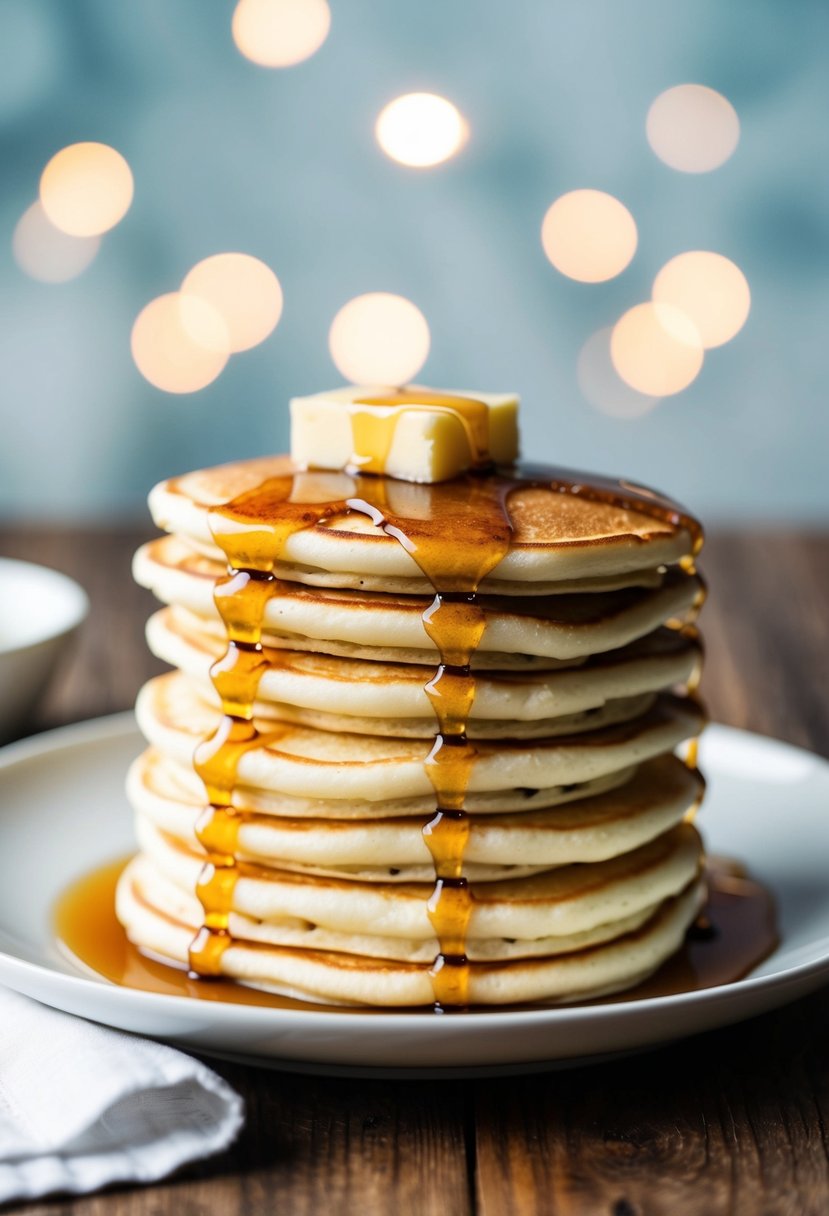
(583, 866)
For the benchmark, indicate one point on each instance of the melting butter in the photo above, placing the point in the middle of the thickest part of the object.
(412, 434)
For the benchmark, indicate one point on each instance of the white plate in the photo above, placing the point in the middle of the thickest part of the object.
(64, 812)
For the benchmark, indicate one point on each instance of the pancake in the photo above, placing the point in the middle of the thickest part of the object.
(169, 900)
(358, 980)
(594, 828)
(180, 778)
(561, 904)
(565, 899)
(555, 535)
(563, 627)
(320, 764)
(359, 695)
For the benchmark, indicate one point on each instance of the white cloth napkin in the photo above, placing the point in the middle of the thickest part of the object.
(82, 1106)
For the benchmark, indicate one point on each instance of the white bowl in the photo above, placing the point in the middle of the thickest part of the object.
(40, 610)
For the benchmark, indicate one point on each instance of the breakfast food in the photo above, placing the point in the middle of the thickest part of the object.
(418, 743)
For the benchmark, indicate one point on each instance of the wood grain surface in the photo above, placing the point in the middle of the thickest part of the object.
(734, 1121)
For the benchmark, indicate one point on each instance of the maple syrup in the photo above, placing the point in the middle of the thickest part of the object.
(372, 434)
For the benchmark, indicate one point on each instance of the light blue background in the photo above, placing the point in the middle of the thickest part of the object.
(283, 165)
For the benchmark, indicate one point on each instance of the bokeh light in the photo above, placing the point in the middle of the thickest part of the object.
(379, 339)
(601, 385)
(86, 189)
(243, 290)
(179, 343)
(280, 33)
(692, 128)
(589, 235)
(709, 289)
(656, 349)
(45, 253)
(421, 129)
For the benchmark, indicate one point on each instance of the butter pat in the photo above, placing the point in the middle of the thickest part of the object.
(414, 434)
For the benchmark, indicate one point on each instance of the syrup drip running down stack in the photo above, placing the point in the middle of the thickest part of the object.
(240, 598)
(561, 866)
(453, 621)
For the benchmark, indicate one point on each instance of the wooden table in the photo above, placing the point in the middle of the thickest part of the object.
(735, 1121)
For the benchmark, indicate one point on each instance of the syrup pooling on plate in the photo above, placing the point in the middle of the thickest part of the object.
(457, 532)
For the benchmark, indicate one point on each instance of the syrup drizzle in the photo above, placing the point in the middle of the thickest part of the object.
(373, 433)
(455, 622)
(241, 599)
(456, 532)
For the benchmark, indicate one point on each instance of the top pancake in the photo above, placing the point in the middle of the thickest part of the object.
(556, 535)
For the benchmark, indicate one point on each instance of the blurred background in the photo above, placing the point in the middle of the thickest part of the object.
(266, 129)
